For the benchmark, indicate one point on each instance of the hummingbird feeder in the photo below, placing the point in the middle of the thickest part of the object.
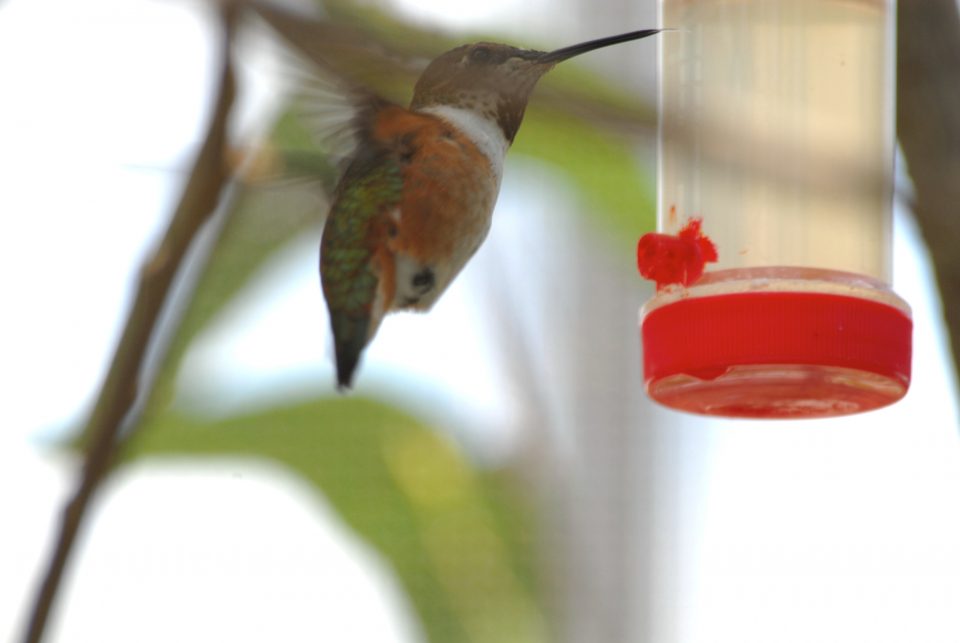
(772, 255)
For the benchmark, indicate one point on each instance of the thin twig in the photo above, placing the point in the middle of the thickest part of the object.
(119, 390)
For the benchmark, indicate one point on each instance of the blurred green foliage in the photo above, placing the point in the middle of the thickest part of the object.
(458, 539)
(602, 168)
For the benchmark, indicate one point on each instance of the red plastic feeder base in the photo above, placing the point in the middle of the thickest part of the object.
(776, 354)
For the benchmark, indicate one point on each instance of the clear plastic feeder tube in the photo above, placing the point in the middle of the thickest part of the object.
(777, 131)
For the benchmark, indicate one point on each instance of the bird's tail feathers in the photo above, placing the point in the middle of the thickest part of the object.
(350, 336)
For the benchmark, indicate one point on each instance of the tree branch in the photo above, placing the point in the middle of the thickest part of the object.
(928, 126)
(119, 391)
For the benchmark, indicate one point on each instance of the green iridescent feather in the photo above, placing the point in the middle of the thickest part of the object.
(371, 185)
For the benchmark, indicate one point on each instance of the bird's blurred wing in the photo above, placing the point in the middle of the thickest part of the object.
(333, 68)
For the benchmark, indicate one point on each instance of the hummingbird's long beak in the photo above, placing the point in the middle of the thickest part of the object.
(558, 55)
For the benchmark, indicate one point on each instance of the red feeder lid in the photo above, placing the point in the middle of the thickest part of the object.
(776, 354)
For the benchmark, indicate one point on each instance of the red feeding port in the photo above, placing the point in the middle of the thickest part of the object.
(667, 259)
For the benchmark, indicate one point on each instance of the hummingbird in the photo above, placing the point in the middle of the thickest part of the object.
(416, 199)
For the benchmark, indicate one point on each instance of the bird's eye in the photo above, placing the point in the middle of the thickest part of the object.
(480, 54)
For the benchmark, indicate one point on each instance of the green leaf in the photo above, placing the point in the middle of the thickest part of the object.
(459, 540)
(619, 194)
